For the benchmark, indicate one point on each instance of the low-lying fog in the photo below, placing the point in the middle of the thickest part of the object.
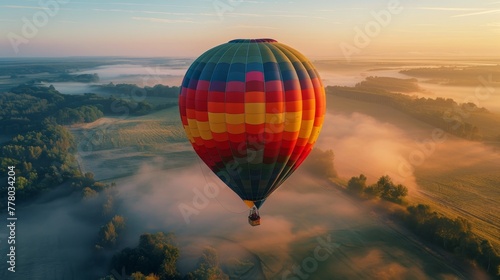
(54, 243)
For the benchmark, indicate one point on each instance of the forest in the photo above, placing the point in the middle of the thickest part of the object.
(33, 119)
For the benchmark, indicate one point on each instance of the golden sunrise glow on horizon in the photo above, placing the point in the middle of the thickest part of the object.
(316, 28)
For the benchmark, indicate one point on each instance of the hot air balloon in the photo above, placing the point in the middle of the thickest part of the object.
(252, 110)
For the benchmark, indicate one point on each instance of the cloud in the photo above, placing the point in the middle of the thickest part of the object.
(493, 24)
(339, 10)
(69, 21)
(271, 15)
(23, 7)
(478, 13)
(251, 27)
(32, 7)
(163, 20)
(363, 144)
(150, 12)
(447, 9)
(136, 4)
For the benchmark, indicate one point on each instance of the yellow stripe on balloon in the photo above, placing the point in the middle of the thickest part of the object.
(255, 108)
(188, 133)
(195, 133)
(235, 118)
(203, 125)
(314, 134)
(255, 118)
(218, 127)
(206, 134)
(306, 128)
(217, 117)
(275, 118)
(293, 121)
(192, 123)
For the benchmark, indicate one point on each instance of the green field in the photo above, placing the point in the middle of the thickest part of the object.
(469, 193)
(117, 147)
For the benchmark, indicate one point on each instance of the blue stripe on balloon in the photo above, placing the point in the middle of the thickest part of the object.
(271, 71)
(255, 66)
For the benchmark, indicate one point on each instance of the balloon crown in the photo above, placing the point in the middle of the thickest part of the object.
(262, 40)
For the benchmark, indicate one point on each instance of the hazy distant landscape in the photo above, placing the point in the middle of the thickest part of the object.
(132, 165)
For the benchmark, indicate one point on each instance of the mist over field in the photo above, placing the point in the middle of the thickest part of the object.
(214, 216)
(161, 185)
(292, 225)
(365, 145)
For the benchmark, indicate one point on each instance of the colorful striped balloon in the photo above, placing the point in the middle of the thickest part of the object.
(252, 109)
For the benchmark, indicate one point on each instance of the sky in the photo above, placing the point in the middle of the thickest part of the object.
(186, 28)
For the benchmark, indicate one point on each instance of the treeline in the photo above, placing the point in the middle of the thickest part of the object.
(390, 84)
(384, 188)
(82, 114)
(457, 75)
(443, 113)
(156, 257)
(18, 68)
(99, 198)
(26, 105)
(81, 78)
(454, 235)
(134, 90)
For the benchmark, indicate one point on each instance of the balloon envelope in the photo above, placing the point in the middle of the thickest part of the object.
(252, 110)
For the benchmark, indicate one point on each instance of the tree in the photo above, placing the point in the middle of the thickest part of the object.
(109, 233)
(488, 252)
(88, 193)
(398, 193)
(21, 182)
(373, 191)
(139, 276)
(118, 222)
(156, 254)
(386, 189)
(357, 184)
(208, 267)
